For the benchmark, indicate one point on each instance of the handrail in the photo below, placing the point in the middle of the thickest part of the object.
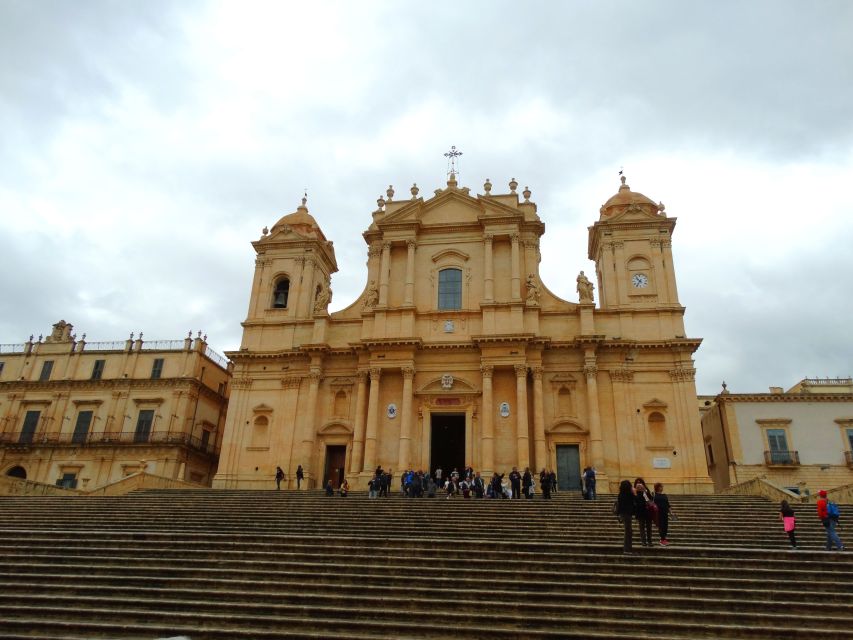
(222, 361)
(13, 348)
(163, 345)
(114, 345)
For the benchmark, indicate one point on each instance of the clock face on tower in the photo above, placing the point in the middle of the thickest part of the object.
(640, 280)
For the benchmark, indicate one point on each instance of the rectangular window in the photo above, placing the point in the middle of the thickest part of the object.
(157, 369)
(778, 442)
(143, 425)
(1, 368)
(67, 481)
(710, 454)
(98, 369)
(450, 289)
(81, 429)
(31, 421)
(205, 438)
(850, 439)
(46, 369)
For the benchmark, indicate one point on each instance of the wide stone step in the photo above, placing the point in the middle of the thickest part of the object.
(393, 621)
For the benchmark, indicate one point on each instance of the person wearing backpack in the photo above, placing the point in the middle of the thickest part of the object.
(829, 513)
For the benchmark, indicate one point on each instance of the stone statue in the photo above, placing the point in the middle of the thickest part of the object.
(532, 290)
(324, 297)
(372, 297)
(585, 288)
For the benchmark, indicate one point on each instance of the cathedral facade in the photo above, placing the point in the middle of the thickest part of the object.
(456, 353)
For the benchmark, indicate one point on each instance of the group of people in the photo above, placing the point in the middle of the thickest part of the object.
(637, 501)
(827, 512)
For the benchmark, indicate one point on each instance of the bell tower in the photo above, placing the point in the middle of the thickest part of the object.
(292, 276)
(632, 249)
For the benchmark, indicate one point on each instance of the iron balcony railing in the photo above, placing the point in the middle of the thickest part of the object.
(23, 438)
(787, 458)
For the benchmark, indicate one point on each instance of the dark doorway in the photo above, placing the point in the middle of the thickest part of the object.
(336, 457)
(447, 443)
(568, 467)
(17, 472)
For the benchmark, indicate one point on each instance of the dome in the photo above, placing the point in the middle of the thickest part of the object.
(625, 198)
(300, 220)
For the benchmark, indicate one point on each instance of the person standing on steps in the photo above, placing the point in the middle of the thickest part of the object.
(515, 483)
(344, 489)
(829, 520)
(664, 511)
(527, 484)
(279, 476)
(545, 483)
(552, 476)
(330, 490)
(589, 482)
(642, 498)
(786, 515)
(300, 476)
(623, 509)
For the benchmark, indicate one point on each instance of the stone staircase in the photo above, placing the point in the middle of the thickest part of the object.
(268, 564)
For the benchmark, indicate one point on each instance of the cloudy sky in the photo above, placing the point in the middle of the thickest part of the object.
(145, 144)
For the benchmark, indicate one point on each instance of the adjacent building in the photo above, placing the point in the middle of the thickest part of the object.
(456, 353)
(82, 415)
(801, 439)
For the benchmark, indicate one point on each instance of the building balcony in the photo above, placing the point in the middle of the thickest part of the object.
(782, 458)
(22, 440)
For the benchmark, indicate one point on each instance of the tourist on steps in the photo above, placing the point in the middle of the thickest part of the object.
(664, 511)
(344, 489)
(642, 498)
(789, 522)
(279, 476)
(515, 483)
(527, 484)
(545, 483)
(623, 508)
(330, 490)
(829, 522)
(300, 476)
(589, 483)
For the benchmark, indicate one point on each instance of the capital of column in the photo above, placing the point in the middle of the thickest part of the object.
(515, 238)
(361, 375)
(375, 374)
(315, 376)
(290, 383)
(538, 372)
(590, 370)
(487, 370)
(488, 238)
(520, 370)
(386, 246)
(411, 243)
(408, 372)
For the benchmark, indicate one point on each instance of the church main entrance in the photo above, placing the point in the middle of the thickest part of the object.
(335, 460)
(447, 443)
(568, 467)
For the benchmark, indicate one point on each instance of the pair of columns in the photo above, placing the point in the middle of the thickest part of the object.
(489, 268)
(364, 448)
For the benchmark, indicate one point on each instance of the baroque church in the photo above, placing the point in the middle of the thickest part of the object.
(457, 354)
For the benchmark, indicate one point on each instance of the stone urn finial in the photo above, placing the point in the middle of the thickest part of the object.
(414, 190)
(513, 185)
(487, 187)
(390, 193)
(526, 193)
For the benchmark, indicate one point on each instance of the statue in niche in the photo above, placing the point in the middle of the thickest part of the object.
(585, 288)
(532, 290)
(323, 297)
(372, 297)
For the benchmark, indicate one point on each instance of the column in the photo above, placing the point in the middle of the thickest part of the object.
(306, 450)
(489, 278)
(384, 269)
(488, 422)
(262, 297)
(372, 421)
(357, 456)
(410, 273)
(596, 449)
(669, 270)
(405, 459)
(515, 293)
(540, 450)
(521, 425)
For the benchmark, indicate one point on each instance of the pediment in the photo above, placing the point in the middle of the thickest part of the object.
(262, 408)
(567, 427)
(458, 387)
(334, 429)
(450, 206)
(450, 253)
(635, 212)
(654, 403)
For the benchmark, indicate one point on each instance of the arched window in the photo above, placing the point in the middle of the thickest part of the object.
(260, 432)
(282, 289)
(564, 400)
(657, 429)
(17, 472)
(450, 289)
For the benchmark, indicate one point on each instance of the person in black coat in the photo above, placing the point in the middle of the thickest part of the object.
(624, 510)
(515, 483)
(664, 511)
(545, 483)
(642, 498)
(527, 483)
